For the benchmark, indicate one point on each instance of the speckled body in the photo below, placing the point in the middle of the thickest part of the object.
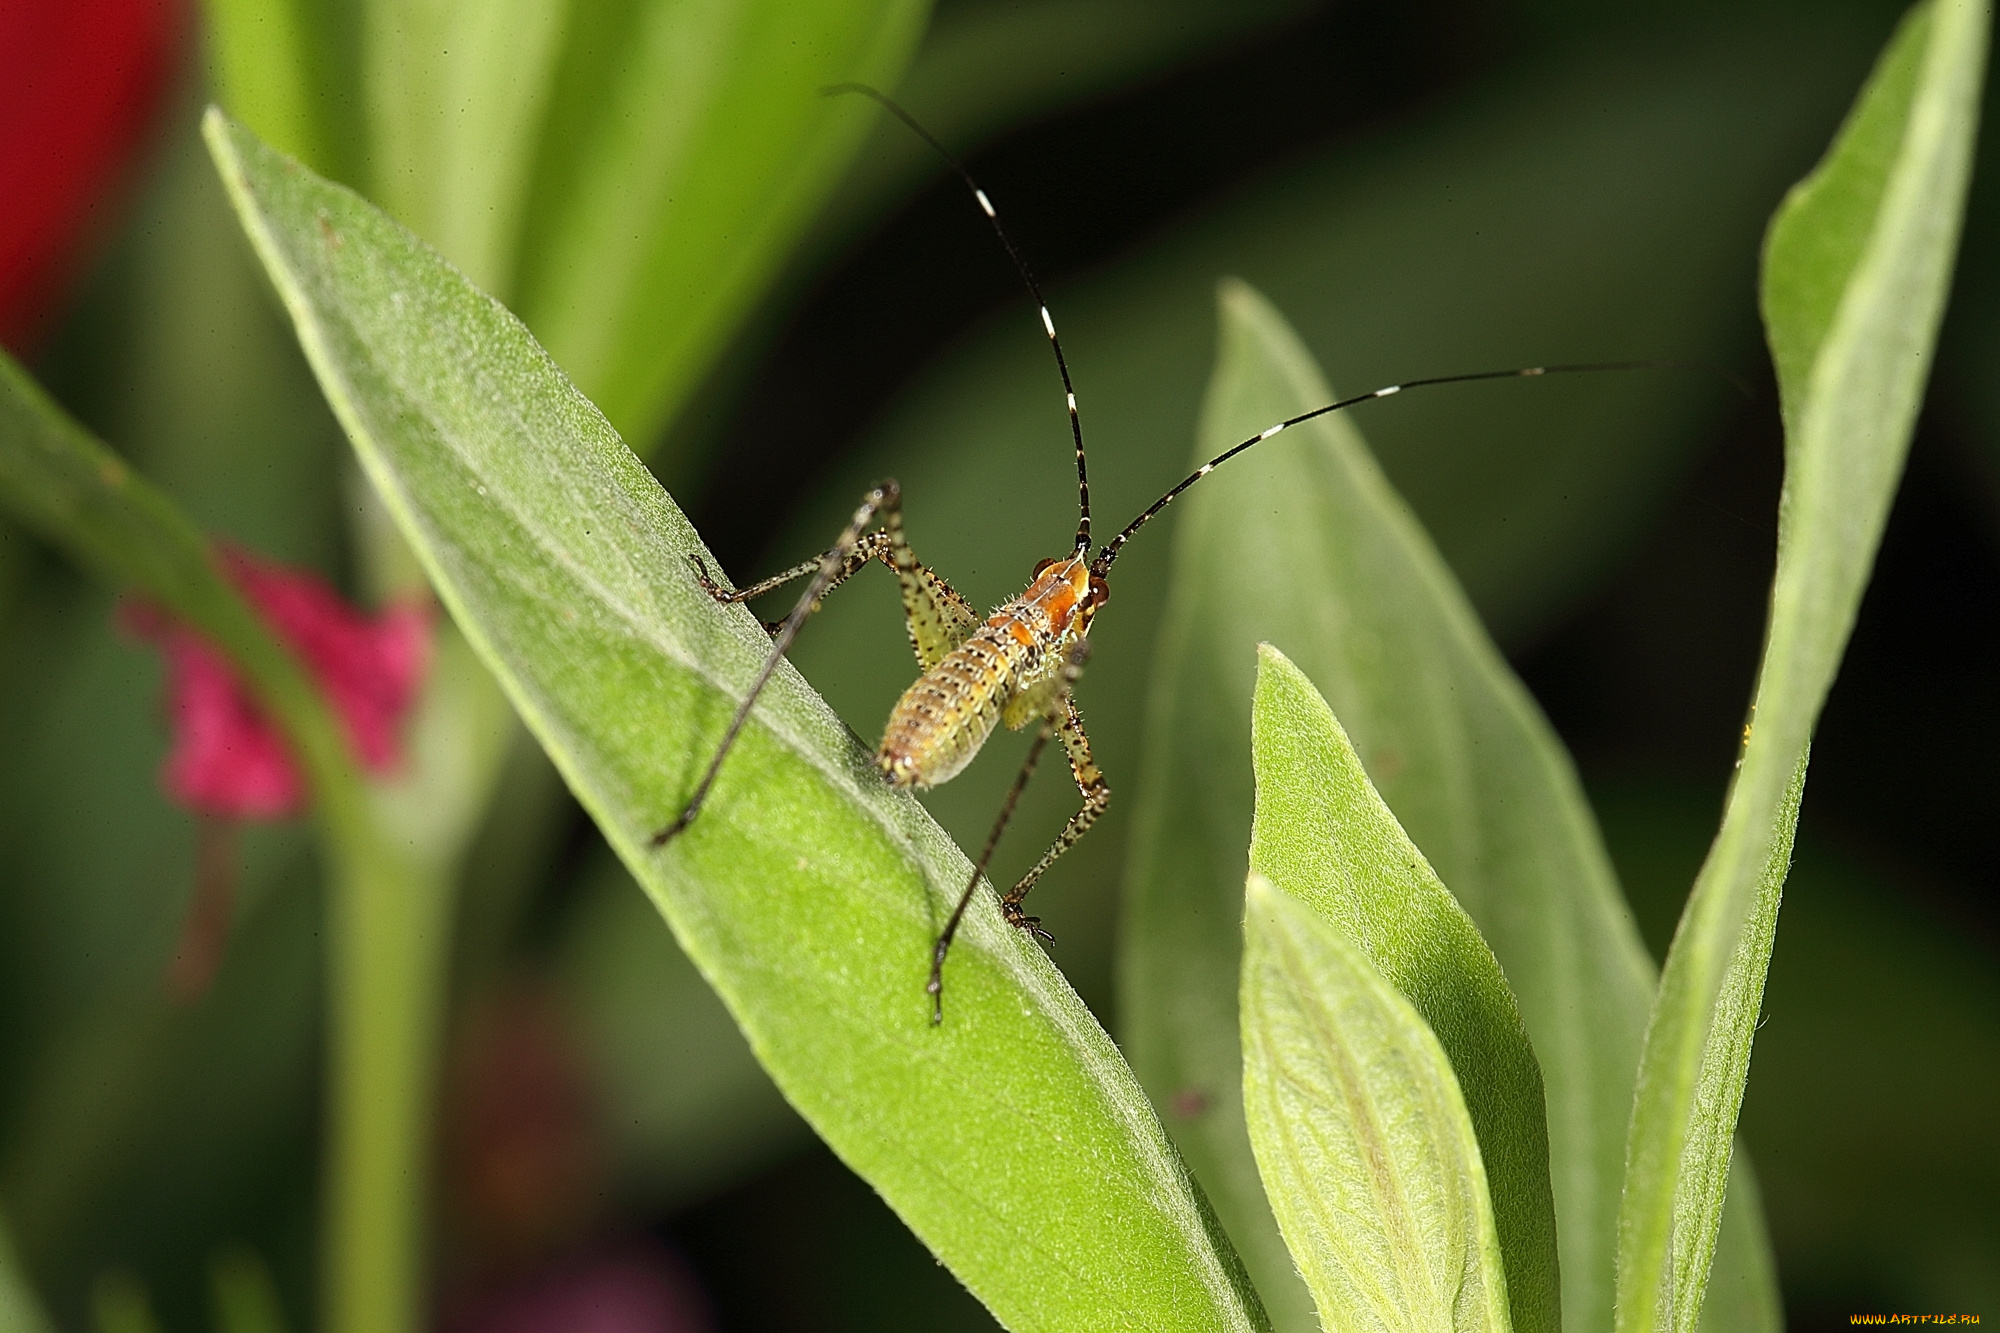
(1009, 670)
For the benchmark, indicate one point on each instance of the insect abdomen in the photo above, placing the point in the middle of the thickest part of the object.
(941, 721)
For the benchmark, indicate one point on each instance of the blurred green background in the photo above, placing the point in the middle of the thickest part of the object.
(1422, 188)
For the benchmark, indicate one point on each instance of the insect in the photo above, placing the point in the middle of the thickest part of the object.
(1016, 667)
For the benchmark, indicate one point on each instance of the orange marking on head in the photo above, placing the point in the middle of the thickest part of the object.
(1059, 587)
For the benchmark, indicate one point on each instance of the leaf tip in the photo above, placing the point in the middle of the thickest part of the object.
(1274, 910)
(215, 128)
(1258, 890)
(1277, 672)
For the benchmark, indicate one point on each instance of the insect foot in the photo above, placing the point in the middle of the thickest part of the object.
(673, 830)
(707, 581)
(1022, 921)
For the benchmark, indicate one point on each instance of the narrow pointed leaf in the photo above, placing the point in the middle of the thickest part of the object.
(1856, 266)
(687, 146)
(1012, 1139)
(1361, 1134)
(1304, 542)
(1325, 837)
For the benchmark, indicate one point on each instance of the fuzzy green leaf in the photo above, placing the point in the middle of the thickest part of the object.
(1856, 266)
(1360, 597)
(1013, 1139)
(1324, 836)
(1363, 1139)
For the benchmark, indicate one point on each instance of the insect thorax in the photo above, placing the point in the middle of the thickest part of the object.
(1010, 671)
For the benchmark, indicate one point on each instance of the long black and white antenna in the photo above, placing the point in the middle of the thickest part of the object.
(1109, 554)
(980, 197)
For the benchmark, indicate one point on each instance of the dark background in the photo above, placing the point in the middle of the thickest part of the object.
(1870, 1113)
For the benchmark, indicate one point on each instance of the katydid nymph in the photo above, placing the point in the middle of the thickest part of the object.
(1017, 666)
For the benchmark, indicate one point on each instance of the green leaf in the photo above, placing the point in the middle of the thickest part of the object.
(1362, 1136)
(1857, 264)
(456, 96)
(1012, 1139)
(1324, 836)
(1345, 577)
(687, 147)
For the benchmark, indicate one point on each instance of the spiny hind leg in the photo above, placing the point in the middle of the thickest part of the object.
(950, 931)
(938, 619)
(1068, 724)
(831, 568)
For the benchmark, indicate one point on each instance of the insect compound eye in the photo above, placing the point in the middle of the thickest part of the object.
(1100, 592)
(1042, 565)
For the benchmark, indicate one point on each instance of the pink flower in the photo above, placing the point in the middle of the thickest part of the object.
(228, 759)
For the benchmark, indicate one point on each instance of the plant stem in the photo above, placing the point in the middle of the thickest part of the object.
(387, 952)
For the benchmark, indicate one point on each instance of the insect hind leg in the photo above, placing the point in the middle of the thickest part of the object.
(950, 931)
(829, 571)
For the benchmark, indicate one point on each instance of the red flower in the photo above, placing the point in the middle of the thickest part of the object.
(79, 82)
(228, 759)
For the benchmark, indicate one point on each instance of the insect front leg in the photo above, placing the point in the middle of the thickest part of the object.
(870, 546)
(885, 502)
(937, 617)
(1064, 720)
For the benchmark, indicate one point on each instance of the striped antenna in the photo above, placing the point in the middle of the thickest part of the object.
(1109, 554)
(980, 197)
